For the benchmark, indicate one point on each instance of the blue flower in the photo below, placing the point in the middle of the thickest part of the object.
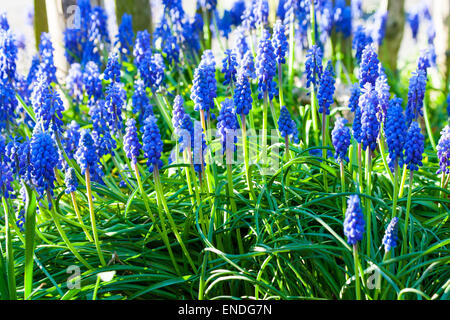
(390, 238)
(396, 131)
(443, 151)
(185, 132)
(360, 40)
(72, 138)
(448, 105)
(165, 41)
(131, 143)
(152, 144)
(101, 133)
(313, 66)
(43, 160)
(71, 181)
(369, 69)
(74, 82)
(87, 158)
(204, 85)
(416, 95)
(141, 102)
(248, 65)
(199, 148)
(47, 104)
(8, 103)
(208, 5)
(227, 125)
(280, 42)
(287, 126)
(236, 12)
(112, 71)
(266, 66)
(24, 155)
(125, 36)
(4, 24)
(370, 127)
(92, 81)
(142, 47)
(178, 112)
(341, 138)
(151, 70)
(46, 53)
(413, 20)
(326, 89)
(355, 92)
(229, 67)
(414, 147)
(8, 55)
(343, 18)
(241, 46)
(243, 93)
(354, 223)
(115, 101)
(382, 88)
(356, 127)
(6, 179)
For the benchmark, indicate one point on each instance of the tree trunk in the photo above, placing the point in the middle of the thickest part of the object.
(139, 9)
(40, 20)
(395, 26)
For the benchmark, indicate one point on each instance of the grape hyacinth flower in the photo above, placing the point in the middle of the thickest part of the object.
(341, 139)
(414, 21)
(8, 55)
(112, 71)
(227, 124)
(131, 143)
(343, 18)
(241, 47)
(178, 112)
(287, 126)
(71, 181)
(71, 138)
(142, 47)
(6, 179)
(390, 238)
(313, 66)
(443, 151)
(47, 104)
(125, 36)
(356, 127)
(43, 160)
(199, 148)
(266, 66)
(416, 95)
(101, 133)
(115, 101)
(370, 127)
(229, 67)
(396, 130)
(382, 88)
(354, 223)
(369, 68)
(92, 81)
(74, 82)
(46, 53)
(152, 144)
(243, 93)
(249, 65)
(361, 40)
(355, 92)
(326, 89)
(8, 103)
(87, 158)
(280, 42)
(141, 101)
(414, 147)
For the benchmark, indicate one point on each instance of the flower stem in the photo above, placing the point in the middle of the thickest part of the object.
(246, 159)
(368, 203)
(408, 210)
(92, 216)
(9, 254)
(160, 195)
(357, 279)
(163, 233)
(342, 170)
(80, 219)
(63, 234)
(395, 195)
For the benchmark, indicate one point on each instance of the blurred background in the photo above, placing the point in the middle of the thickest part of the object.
(29, 18)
